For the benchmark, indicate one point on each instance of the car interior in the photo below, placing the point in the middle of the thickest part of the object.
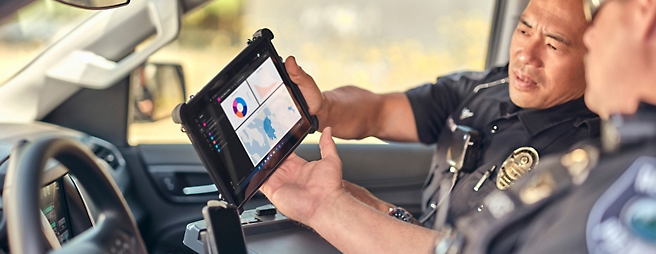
(86, 134)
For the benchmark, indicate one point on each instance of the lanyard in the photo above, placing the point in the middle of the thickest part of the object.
(444, 197)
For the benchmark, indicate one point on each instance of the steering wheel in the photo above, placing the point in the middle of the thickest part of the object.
(115, 230)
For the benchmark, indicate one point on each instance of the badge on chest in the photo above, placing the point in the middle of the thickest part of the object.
(520, 162)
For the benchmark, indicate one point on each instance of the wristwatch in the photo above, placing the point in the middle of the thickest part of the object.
(401, 214)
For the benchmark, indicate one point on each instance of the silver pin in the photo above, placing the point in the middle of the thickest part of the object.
(484, 178)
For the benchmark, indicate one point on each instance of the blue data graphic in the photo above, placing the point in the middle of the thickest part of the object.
(265, 128)
(268, 128)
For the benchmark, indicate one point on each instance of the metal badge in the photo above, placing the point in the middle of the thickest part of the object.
(579, 162)
(539, 187)
(520, 162)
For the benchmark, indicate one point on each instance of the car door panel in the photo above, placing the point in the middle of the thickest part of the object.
(165, 221)
(394, 172)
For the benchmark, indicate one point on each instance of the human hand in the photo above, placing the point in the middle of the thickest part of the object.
(362, 194)
(306, 84)
(300, 188)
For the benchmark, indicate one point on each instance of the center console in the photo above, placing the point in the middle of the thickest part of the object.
(266, 231)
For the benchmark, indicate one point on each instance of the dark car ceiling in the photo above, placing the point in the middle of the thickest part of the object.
(8, 7)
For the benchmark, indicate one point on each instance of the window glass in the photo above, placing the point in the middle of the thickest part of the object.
(382, 45)
(28, 32)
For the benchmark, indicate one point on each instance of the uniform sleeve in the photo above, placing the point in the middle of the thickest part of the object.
(433, 103)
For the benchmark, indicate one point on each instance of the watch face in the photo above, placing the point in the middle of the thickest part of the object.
(401, 214)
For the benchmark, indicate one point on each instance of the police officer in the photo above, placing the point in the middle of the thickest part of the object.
(595, 199)
(587, 200)
(512, 114)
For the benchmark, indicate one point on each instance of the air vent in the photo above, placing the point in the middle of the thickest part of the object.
(105, 151)
(107, 155)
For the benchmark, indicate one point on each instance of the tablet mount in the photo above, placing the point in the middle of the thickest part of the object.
(224, 233)
(262, 33)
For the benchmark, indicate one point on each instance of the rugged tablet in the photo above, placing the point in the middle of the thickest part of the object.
(247, 120)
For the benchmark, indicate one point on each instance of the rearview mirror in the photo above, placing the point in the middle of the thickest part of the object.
(157, 88)
(95, 4)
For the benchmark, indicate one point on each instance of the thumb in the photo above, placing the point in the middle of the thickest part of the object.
(327, 145)
(296, 73)
(306, 84)
(292, 67)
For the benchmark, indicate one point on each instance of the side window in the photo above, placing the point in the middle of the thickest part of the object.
(27, 33)
(383, 46)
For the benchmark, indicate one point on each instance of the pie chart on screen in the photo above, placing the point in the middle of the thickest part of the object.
(239, 107)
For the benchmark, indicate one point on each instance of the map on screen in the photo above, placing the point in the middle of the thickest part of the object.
(268, 125)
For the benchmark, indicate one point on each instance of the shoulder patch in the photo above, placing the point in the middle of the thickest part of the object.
(466, 113)
(623, 220)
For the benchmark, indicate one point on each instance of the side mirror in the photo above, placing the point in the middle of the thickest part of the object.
(95, 4)
(156, 88)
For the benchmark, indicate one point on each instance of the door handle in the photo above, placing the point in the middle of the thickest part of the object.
(183, 183)
(200, 189)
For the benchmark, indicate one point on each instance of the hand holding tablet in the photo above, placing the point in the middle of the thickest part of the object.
(246, 120)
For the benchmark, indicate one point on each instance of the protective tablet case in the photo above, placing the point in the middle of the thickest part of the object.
(182, 115)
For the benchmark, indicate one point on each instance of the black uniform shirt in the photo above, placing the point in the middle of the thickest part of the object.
(612, 210)
(481, 100)
(561, 228)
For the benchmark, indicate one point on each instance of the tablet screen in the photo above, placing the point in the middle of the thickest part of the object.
(247, 121)
(261, 111)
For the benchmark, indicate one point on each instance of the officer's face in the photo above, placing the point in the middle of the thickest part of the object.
(614, 63)
(546, 54)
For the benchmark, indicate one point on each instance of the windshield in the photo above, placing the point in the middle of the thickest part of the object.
(30, 30)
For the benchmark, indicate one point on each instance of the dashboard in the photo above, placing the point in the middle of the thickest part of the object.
(52, 203)
(68, 212)
(62, 200)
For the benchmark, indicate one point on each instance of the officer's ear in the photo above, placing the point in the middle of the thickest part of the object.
(646, 15)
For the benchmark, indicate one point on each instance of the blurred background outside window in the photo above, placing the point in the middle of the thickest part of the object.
(27, 33)
(382, 45)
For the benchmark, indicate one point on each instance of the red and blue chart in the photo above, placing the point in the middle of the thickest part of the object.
(239, 107)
